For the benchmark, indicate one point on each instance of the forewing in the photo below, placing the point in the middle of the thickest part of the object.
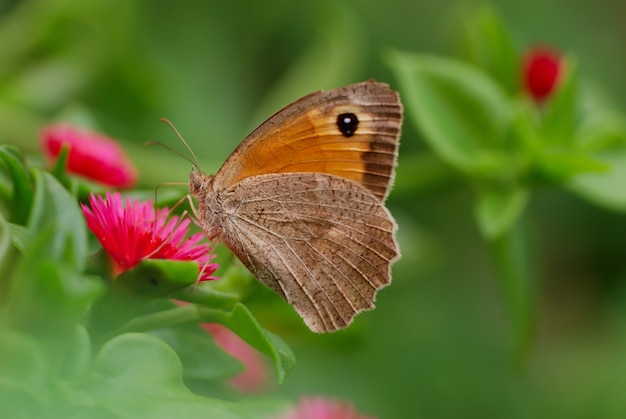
(323, 243)
(305, 137)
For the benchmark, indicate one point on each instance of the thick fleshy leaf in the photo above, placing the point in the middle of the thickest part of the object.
(23, 371)
(243, 323)
(22, 198)
(600, 129)
(200, 355)
(601, 135)
(205, 293)
(59, 168)
(462, 112)
(236, 279)
(47, 298)
(76, 361)
(34, 385)
(498, 208)
(606, 189)
(138, 375)
(560, 112)
(54, 207)
(17, 234)
(156, 278)
(131, 291)
(47, 294)
(559, 166)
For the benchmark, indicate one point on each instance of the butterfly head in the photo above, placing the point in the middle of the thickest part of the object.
(209, 211)
(199, 183)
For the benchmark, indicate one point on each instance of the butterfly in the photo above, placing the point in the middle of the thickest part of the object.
(301, 201)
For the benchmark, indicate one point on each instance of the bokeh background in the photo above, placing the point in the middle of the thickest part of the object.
(439, 343)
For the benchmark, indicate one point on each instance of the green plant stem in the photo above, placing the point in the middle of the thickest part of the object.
(511, 254)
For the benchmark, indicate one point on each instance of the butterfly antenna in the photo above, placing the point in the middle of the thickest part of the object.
(168, 148)
(194, 162)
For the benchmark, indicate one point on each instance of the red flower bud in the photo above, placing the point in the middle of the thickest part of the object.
(91, 155)
(541, 71)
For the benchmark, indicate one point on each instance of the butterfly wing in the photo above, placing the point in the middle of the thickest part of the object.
(323, 243)
(351, 132)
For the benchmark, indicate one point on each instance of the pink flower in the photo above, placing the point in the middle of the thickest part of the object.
(255, 377)
(135, 231)
(541, 70)
(91, 155)
(322, 408)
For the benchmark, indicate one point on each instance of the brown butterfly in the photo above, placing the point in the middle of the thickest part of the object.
(301, 201)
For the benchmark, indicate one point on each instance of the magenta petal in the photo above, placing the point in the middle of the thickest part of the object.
(91, 155)
(134, 231)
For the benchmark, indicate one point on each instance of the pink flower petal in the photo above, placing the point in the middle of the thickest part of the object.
(134, 231)
(322, 408)
(256, 376)
(91, 155)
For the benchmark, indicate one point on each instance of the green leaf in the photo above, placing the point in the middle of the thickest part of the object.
(157, 278)
(131, 291)
(138, 375)
(201, 356)
(560, 112)
(54, 207)
(47, 298)
(459, 109)
(558, 166)
(498, 208)
(237, 279)
(76, 362)
(525, 129)
(490, 47)
(17, 234)
(22, 184)
(607, 189)
(243, 323)
(59, 169)
(23, 371)
(600, 129)
(205, 293)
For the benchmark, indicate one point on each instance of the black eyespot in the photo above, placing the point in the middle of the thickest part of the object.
(154, 281)
(347, 124)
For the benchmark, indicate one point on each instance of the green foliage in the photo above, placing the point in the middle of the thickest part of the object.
(66, 346)
(477, 118)
(241, 321)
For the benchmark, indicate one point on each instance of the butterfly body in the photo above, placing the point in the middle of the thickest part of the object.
(301, 201)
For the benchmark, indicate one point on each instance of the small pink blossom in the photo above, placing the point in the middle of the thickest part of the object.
(541, 71)
(136, 231)
(90, 155)
(322, 408)
(256, 375)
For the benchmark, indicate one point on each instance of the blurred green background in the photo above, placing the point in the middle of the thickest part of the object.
(439, 343)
